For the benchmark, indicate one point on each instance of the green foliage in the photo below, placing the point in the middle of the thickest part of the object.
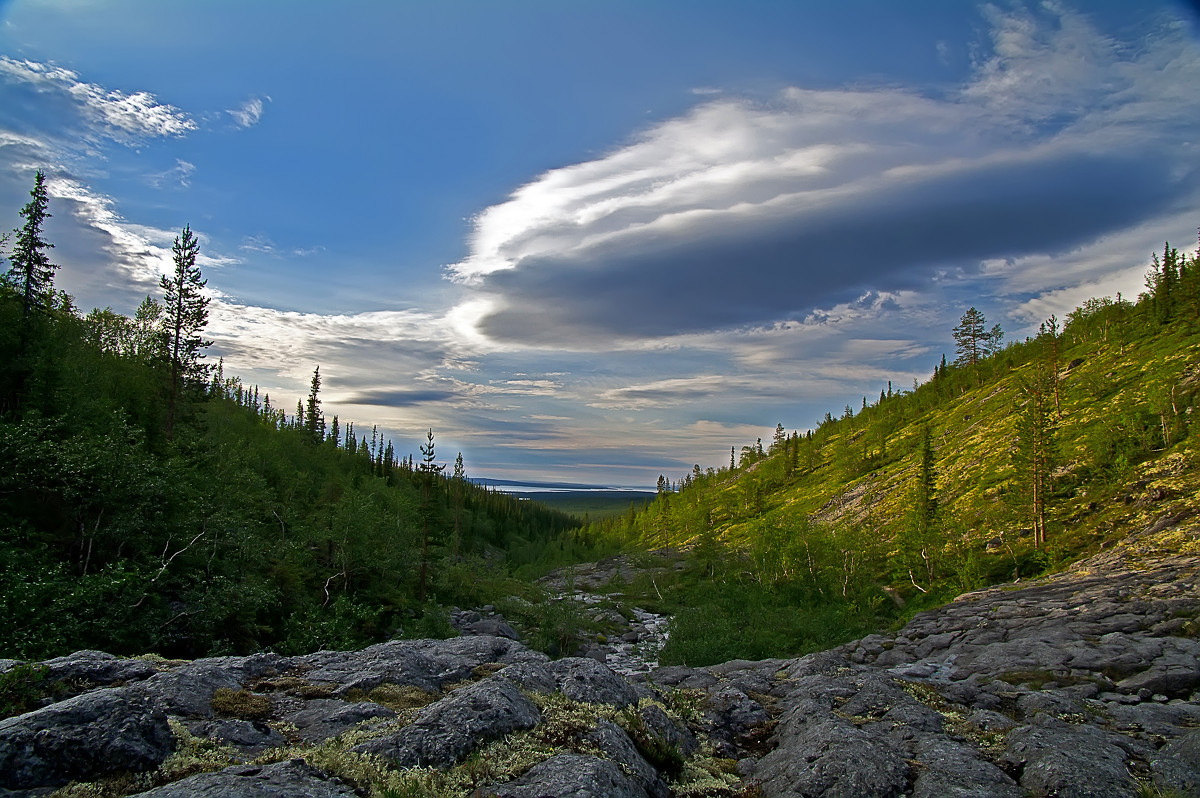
(1013, 462)
(222, 529)
(240, 704)
(21, 688)
(32, 273)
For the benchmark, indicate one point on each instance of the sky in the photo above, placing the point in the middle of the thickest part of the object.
(595, 242)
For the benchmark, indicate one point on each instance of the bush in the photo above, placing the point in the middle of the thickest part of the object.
(20, 689)
(240, 704)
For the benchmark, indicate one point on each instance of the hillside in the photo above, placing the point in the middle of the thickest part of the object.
(1082, 432)
(135, 518)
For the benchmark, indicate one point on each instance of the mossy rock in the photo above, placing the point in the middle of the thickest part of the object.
(240, 704)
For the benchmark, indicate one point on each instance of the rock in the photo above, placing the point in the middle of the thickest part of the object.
(1062, 686)
(188, 689)
(732, 714)
(82, 738)
(948, 769)
(322, 718)
(832, 758)
(249, 737)
(1054, 758)
(659, 724)
(98, 668)
(582, 679)
(428, 664)
(446, 732)
(533, 677)
(616, 745)
(572, 776)
(292, 779)
(1177, 765)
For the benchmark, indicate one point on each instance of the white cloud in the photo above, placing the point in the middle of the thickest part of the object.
(127, 118)
(662, 393)
(249, 114)
(1062, 134)
(179, 175)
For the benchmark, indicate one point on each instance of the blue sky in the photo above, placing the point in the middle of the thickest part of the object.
(599, 241)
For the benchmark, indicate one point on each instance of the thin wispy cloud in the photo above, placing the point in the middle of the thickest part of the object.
(249, 113)
(745, 212)
(177, 176)
(122, 117)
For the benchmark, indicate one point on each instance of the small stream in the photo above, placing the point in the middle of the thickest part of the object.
(636, 651)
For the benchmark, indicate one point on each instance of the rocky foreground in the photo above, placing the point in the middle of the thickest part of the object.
(1085, 684)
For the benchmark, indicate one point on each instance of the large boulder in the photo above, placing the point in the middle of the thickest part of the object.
(82, 738)
(445, 733)
(431, 665)
(583, 679)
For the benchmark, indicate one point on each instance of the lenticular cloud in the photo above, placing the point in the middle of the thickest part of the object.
(746, 212)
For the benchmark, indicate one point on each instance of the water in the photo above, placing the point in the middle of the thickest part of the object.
(633, 657)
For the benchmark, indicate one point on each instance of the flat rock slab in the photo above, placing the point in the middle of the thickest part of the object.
(292, 779)
(571, 776)
(322, 718)
(431, 665)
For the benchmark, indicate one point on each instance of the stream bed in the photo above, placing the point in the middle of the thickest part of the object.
(634, 651)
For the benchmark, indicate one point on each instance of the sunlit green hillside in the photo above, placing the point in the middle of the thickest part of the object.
(911, 497)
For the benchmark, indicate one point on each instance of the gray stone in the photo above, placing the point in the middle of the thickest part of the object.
(249, 737)
(99, 668)
(322, 718)
(448, 731)
(292, 779)
(831, 758)
(948, 769)
(617, 746)
(188, 689)
(1177, 765)
(82, 738)
(659, 724)
(428, 664)
(571, 776)
(533, 677)
(582, 679)
(1060, 759)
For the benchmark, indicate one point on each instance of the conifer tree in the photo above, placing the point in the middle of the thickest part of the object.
(971, 337)
(32, 273)
(1034, 453)
(430, 470)
(780, 436)
(920, 538)
(314, 421)
(185, 316)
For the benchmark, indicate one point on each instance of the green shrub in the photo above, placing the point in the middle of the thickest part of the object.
(241, 704)
(21, 689)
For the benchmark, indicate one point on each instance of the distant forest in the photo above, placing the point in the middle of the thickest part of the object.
(149, 503)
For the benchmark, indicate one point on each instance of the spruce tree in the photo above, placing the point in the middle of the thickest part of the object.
(314, 421)
(32, 273)
(430, 470)
(185, 316)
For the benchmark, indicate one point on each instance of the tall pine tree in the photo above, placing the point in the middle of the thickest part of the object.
(32, 273)
(971, 337)
(185, 315)
(314, 420)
